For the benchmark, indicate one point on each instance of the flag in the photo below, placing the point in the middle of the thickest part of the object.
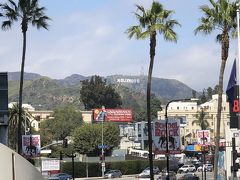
(231, 83)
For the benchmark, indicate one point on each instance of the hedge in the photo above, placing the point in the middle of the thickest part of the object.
(95, 169)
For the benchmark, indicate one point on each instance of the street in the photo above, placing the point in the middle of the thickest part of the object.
(209, 176)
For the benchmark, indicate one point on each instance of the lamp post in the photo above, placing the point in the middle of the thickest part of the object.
(166, 129)
(101, 117)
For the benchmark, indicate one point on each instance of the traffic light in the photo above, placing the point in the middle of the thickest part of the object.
(65, 143)
(235, 156)
(61, 155)
(102, 157)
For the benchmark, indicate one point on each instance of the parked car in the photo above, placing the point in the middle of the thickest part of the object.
(155, 170)
(187, 168)
(189, 176)
(60, 176)
(113, 174)
(163, 176)
(172, 167)
(205, 167)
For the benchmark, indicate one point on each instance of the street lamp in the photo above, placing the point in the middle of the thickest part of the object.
(101, 117)
(166, 126)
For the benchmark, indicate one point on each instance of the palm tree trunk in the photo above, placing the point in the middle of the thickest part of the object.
(19, 147)
(224, 52)
(152, 54)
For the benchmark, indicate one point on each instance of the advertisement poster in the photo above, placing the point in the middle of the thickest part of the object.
(113, 115)
(50, 165)
(31, 145)
(203, 137)
(159, 137)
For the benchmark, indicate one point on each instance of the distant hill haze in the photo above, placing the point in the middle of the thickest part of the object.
(49, 93)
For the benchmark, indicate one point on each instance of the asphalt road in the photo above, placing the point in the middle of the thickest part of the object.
(209, 176)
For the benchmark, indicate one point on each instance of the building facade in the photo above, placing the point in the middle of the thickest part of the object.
(190, 110)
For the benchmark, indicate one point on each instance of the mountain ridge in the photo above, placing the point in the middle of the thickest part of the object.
(52, 92)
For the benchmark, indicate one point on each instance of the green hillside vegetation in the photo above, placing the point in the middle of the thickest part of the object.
(51, 93)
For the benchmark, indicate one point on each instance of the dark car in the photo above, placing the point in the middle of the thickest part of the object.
(189, 176)
(163, 176)
(155, 170)
(173, 168)
(60, 176)
(113, 174)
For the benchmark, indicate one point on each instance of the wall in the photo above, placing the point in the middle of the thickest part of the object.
(15, 167)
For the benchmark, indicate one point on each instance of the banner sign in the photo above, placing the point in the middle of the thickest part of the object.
(159, 137)
(203, 137)
(50, 165)
(113, 115)
(31, 145)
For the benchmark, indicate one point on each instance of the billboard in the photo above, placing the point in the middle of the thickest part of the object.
(203, 137)
(182, 120)
(159, 137)
(50, 165)
(113, 115)
(31, 145)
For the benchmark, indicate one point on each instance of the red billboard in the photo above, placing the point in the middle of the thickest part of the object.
(113, 115)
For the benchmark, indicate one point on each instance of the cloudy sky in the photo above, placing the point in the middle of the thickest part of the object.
(87, 37)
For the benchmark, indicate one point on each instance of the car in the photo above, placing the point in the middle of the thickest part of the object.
(155, 170)
(163, 176)
(171, 168)
(189, 176)
(205, 167)
(113, 174)
(60, 176)
(187, 168)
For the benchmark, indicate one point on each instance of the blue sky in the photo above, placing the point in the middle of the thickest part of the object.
(87, 38)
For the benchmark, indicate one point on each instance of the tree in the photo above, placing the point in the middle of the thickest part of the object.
(202, 120)
(88, 137)
(63, 123)
(151, 21)
(155, 107)
(220, 15)
(209, 93)
(25, 11)
(13, 124)
(95, 93)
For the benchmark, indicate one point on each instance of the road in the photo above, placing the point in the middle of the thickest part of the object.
(209, 176)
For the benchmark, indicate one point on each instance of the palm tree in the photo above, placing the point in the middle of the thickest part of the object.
(13, 124)
(25, 11)
(152, 21)
(220, 16)
(202, 120)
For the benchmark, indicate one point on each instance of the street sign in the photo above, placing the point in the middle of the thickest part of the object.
(103, 146)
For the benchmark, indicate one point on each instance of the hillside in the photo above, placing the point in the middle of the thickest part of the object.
(49, 93)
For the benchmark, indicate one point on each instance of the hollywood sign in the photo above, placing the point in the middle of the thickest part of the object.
(123, 80)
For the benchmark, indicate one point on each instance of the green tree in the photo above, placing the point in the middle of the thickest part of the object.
(13, 124)
(202, 120)
(95, 93)
(27, 12)
(155, 107)
(88, 137)
(150, 22)
(209, 93)
(221, 16)
(63, 122)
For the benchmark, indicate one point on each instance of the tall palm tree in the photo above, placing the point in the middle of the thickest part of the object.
(25, 11)
(221, 16)
(13, 124)
(150, 22)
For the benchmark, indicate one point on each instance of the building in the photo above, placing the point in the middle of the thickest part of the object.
(189, 110)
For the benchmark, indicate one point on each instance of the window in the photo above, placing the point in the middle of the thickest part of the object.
(177, 107)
